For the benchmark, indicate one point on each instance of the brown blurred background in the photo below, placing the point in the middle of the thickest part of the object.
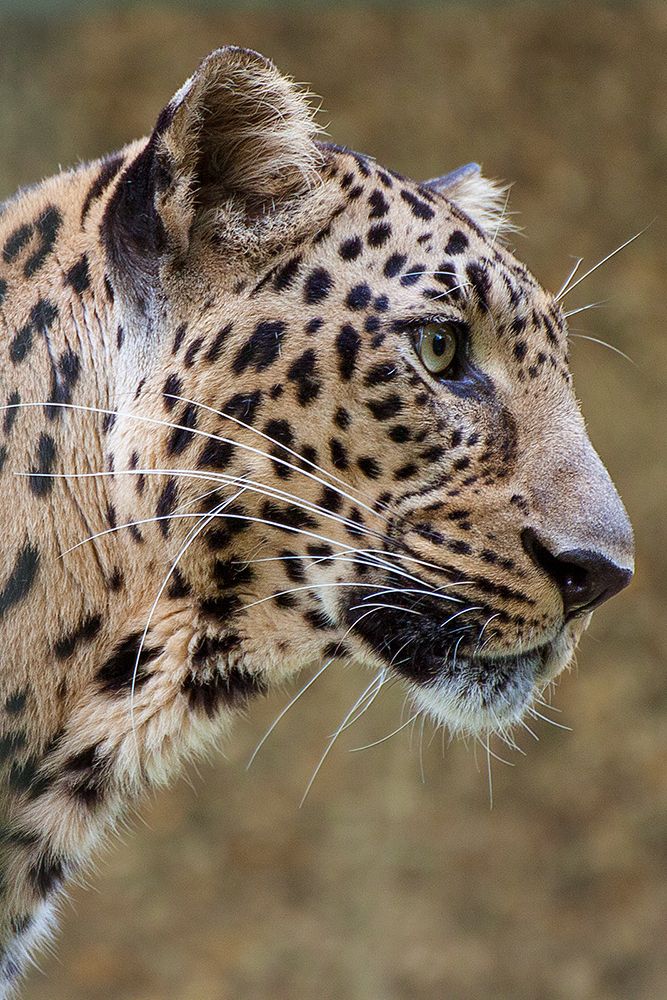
(384, 887)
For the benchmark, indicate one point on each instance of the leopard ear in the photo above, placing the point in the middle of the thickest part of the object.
(237, 136)
(484, 200)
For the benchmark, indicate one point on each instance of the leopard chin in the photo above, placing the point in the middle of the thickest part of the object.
(480, 695)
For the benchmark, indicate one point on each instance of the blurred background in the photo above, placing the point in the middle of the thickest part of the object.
(396, 881)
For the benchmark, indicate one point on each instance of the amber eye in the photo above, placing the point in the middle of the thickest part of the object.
(437, 346)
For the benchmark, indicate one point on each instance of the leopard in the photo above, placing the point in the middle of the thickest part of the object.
(267, 404)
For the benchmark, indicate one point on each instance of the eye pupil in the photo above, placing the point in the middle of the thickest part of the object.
(439, 345)
(438, 348)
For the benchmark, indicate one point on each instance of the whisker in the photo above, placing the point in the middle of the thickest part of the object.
(581, 309)
(200, 433)
(563, 288)
(603, 343)
(532, 711)
(333, 739)
(287, 707)
(188, 541)
(267, 437)
(603, 261)
(375, 743)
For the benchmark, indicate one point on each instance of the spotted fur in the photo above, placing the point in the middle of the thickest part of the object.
(210, 372)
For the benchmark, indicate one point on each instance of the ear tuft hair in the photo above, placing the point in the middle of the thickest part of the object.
(243, 130)
(237, 142)
(484, 200)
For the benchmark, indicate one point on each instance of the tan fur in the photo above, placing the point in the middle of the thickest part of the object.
(228, 305)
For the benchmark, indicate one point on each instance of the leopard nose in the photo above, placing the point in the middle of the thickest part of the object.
(585, 578)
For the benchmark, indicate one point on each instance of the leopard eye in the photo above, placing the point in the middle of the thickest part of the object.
(437, 346)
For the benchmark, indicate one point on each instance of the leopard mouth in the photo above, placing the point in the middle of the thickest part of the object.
(450, 678)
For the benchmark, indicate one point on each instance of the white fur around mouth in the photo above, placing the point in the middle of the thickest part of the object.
(491, 694)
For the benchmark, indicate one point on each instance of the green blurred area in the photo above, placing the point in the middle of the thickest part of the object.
(384, 887)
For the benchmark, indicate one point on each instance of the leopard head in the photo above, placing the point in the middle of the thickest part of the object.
(345, 414)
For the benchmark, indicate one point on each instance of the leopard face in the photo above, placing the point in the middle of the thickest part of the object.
(356, 496)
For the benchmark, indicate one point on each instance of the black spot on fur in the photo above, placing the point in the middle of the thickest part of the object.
(285, 275)
(342, 418)
(384, 409)
(285, 516)
(178, 338)
(192, 351)
(12, 411)
(108, 171)
(351, 248)
(330, 499)
(15, 703)
(116, 674)
(84, 632)
(348, 343)
(211, 647)
(418, 207)
(400, 434)
(166, 503)
(232, 573)
(338, 454)
(64, 377)
(42, 316)
(215, 454)
(178, 586)
(217, 343)
(78, 276)
(47, 874)
(243, 406)
(281, 432)
(230, 689)
(10, 745)
(414, 274)
(318, 285)
(405, 472)
(457, 243)
(303, 372)
(369, 467)
(261, 349)
(47, 227)
(314, 324)
(293, 566)
(180, 437)
(379, 204)
(480, 281)
(358, 297)
(221, 608)
(378, 234)
(87, 772)
(40, 483)
(380, 374)
(317, 620)
(172, 387)
(394, 265)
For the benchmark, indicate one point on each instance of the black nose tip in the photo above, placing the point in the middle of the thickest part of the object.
(585, 578)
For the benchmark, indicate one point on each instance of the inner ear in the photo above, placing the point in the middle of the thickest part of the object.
(240, 129)
(235, 142)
